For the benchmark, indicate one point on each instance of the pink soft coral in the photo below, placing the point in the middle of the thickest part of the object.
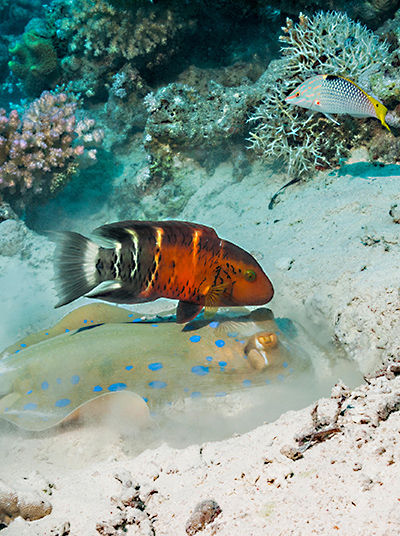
(39, 151)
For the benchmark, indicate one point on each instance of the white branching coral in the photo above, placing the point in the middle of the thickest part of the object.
(327, 43)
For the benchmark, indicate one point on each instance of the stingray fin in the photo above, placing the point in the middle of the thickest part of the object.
(186, 311)
(7, 402)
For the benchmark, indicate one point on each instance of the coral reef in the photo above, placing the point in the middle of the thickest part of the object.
(38, 153)
(325, 43)
(100, 39)
(180, 117)
(34, 61)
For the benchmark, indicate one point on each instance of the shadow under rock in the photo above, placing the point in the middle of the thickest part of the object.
(87, 193)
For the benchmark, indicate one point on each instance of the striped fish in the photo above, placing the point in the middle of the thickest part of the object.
(332, 94)
(153, 259)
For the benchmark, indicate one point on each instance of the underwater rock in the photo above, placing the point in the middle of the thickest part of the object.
(129, 509)
(28, 505)
(6, 212)
(204, 513)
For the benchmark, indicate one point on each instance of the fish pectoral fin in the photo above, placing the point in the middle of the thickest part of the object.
(214, 295)
(210, 312)
(331, 118)
(186, 311)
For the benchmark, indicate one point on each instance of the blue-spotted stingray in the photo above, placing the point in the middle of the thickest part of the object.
(101, 349)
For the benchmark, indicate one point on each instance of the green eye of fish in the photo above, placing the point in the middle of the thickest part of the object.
(250, 275)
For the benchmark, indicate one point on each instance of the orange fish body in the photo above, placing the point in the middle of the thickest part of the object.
(149, 260)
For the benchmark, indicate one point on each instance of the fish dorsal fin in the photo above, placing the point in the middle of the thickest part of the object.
(123, 230)
(186, 311)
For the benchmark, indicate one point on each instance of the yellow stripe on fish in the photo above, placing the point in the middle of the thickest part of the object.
(332, 94)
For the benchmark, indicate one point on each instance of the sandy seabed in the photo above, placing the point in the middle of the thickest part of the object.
(332, 250)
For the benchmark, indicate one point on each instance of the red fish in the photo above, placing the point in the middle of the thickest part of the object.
(153, 259)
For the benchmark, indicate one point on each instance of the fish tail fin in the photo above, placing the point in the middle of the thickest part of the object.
(75, 266)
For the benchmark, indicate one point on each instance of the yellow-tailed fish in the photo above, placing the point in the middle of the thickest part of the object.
(47, 377)
(332, 94)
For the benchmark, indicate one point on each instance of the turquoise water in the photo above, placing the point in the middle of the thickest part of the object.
(176, 111)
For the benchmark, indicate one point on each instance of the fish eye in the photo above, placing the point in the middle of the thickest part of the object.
(297, 94)
(250, 275)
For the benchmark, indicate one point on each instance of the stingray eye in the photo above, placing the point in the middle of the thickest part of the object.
(250, 275)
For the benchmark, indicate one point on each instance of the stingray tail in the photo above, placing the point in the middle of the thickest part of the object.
(75, 266)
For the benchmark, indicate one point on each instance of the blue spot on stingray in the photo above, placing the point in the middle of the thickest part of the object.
(66, 330)
(31, 405)
(29, 392)
(200, 370)
(242, 342)
(222, 364)
(58, 380)
(194, 338)
(16, 351)
(220, 393)
(195, 394)
(246, 383)
(23, 345)
(285, 364)
(137, 320)
(75, 379)
(129, 367)
(213, 324)
(145, 399)
(233, 334)
(209, 358)
(244, 356)
(186, 389)
(45, 385)
(117, 386)
(6, 409)
(62, 402)
(267, 381)
(130, 316)
(220, 343)
(85, 321)
(97, 388)
(155, 366)
(157, 384)
(281, 377)
(46, 333)
(155, 325)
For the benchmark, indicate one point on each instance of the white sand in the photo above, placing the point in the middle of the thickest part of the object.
(332, 251)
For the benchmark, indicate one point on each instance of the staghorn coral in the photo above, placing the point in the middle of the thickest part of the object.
(326, 43)
(38, 153)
